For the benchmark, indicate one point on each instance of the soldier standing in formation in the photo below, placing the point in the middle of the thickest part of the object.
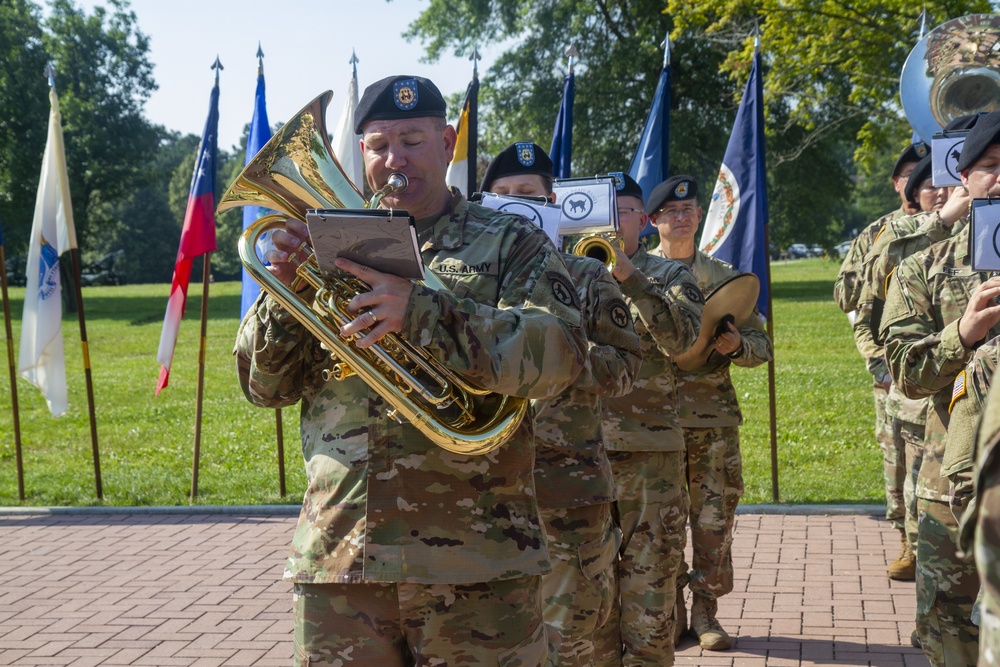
(937, 311)
(646, 444)
(573, 480)
(847, 294)
(405, 551)
(709, 414)
(904, 418)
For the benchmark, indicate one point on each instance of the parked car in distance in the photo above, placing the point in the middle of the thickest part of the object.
(816, 251)
(842, 248)
(798, 251)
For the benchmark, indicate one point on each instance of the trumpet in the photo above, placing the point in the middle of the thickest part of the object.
(600, 247)
(297, 170)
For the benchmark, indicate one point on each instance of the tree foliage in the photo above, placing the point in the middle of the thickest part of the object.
(103, 78)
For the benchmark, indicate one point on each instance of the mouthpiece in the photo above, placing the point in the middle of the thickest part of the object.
(397, 183)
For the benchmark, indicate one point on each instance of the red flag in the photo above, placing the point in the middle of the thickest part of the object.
(197, 237)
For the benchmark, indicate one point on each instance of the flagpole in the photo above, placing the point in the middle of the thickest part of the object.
(74, 254)
(12, 366)
(206, 274)
(771, 389)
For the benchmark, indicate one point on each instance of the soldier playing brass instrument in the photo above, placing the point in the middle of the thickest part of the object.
(405, 551)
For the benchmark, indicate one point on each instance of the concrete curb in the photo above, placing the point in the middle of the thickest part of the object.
(293, 510)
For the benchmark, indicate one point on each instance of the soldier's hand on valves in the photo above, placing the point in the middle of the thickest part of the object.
(728, 341)
(385, 305)
(956, 207)
(981, 314)
(623, 265)
(290, 249)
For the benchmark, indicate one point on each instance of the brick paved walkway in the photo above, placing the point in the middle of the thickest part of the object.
(194, 589)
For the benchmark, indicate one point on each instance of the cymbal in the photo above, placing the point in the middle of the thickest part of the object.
(735, 298)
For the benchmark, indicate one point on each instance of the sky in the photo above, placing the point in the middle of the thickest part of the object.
(307, 48)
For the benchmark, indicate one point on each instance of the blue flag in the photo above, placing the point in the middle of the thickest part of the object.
(649, 166)
(260, 133)
(562, 137)
(734, 227)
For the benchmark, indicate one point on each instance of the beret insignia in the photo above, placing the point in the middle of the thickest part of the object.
(681, 190)
(619, 179)
(404, 94)
(921, 149)
(525, 153)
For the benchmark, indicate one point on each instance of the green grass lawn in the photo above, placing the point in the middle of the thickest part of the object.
(826, 451)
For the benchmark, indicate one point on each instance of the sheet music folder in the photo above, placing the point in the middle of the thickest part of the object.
(384, 240)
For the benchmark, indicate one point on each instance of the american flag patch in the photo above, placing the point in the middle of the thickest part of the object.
(957, 390)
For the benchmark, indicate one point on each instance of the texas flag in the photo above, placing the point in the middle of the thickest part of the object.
(197, 236)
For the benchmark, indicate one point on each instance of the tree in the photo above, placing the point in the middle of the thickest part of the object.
(616, 76)
(836, 62)
(24, 108)
(104, 79)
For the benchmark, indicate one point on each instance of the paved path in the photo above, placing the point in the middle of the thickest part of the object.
(204, 589)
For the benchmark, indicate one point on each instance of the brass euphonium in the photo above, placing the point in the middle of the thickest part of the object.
(296, 171)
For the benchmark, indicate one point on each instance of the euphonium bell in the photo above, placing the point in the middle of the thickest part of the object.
(296, 171)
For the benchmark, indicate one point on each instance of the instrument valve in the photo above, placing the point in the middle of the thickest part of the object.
(393, 414)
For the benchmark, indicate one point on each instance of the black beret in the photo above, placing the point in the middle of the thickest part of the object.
(984, 134)
(919, 174)
(675, 188)
(962, 123)
(913, 153)
(625, 185)
(400, 96)
(522, 157)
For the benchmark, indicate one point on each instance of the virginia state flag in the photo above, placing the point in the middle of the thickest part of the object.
(41, 361)
(649, 165)
(462, 170)
(734, 226)
(260, 133)
(197, 236)
(347, 144)
(561, 152)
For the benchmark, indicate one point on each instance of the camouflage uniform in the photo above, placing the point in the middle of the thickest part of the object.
(847, 286)
(646, 448)
(980, 527)
(573, 479)
(393, 515)
(967, 398)
(924, 301)
(900, 427)
(710, 416)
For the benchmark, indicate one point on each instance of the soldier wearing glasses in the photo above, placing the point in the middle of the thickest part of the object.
(645, 441)
(710, 417)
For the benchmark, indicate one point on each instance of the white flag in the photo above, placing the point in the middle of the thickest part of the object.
(41, 360)
(348, 144)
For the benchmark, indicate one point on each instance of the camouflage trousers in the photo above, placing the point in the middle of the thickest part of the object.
(947, 586)
(652, 510)
(908, 439)
(987, 550)
(578, 594)
(892, 472)
(397, 625)
(715, 485)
